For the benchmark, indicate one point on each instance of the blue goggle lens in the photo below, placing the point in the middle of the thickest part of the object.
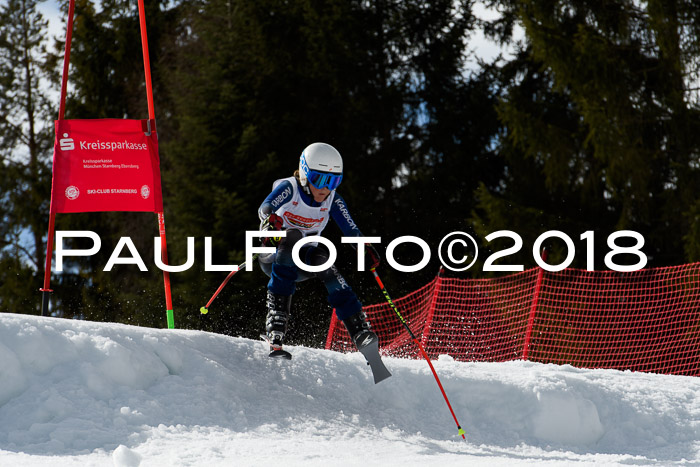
(322, 180)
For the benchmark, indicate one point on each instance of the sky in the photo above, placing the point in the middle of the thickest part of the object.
(50, 11)
(482, 47)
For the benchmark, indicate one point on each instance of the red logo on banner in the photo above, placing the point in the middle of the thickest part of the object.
(106, 165)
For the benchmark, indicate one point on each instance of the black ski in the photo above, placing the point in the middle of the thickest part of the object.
(279, 353)
(276, 350)
(370, 351)
(374, 360)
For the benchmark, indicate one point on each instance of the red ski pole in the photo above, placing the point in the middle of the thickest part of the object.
(205, 309)
(420, 347)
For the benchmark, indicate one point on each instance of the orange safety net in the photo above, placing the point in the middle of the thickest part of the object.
(646, 320)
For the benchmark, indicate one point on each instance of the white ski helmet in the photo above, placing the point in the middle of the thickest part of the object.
(320, 165)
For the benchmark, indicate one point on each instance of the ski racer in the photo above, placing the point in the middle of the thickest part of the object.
(302, 206)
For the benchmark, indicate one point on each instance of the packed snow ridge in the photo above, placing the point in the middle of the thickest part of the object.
(76, 393)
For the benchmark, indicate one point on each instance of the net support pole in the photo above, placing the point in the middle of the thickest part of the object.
(331, 330)
(152, 116)
(533, 308)
(46, 289)
(431, 308)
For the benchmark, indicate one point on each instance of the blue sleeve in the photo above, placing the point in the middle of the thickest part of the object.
(280, 196)
(341, 216)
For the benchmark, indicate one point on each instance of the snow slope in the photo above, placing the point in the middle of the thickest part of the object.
(78, 393)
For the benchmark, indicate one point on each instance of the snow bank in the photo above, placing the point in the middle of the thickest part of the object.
(78, 393)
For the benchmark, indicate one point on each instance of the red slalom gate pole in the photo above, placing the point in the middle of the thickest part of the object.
(46, 289)
(170, 314)
(420, 347)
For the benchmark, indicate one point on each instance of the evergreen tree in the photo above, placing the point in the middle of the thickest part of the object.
(253, 83)
(454, 122)
(599, 125)
(27, 73)
(591, 125)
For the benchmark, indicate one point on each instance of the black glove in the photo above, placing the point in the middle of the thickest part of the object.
(271, 222)
(372, 258)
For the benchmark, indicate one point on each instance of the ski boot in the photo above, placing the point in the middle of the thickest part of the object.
(367, 343)
(278, 310)
(359, 330)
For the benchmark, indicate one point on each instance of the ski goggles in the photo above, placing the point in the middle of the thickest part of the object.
(322, 180)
